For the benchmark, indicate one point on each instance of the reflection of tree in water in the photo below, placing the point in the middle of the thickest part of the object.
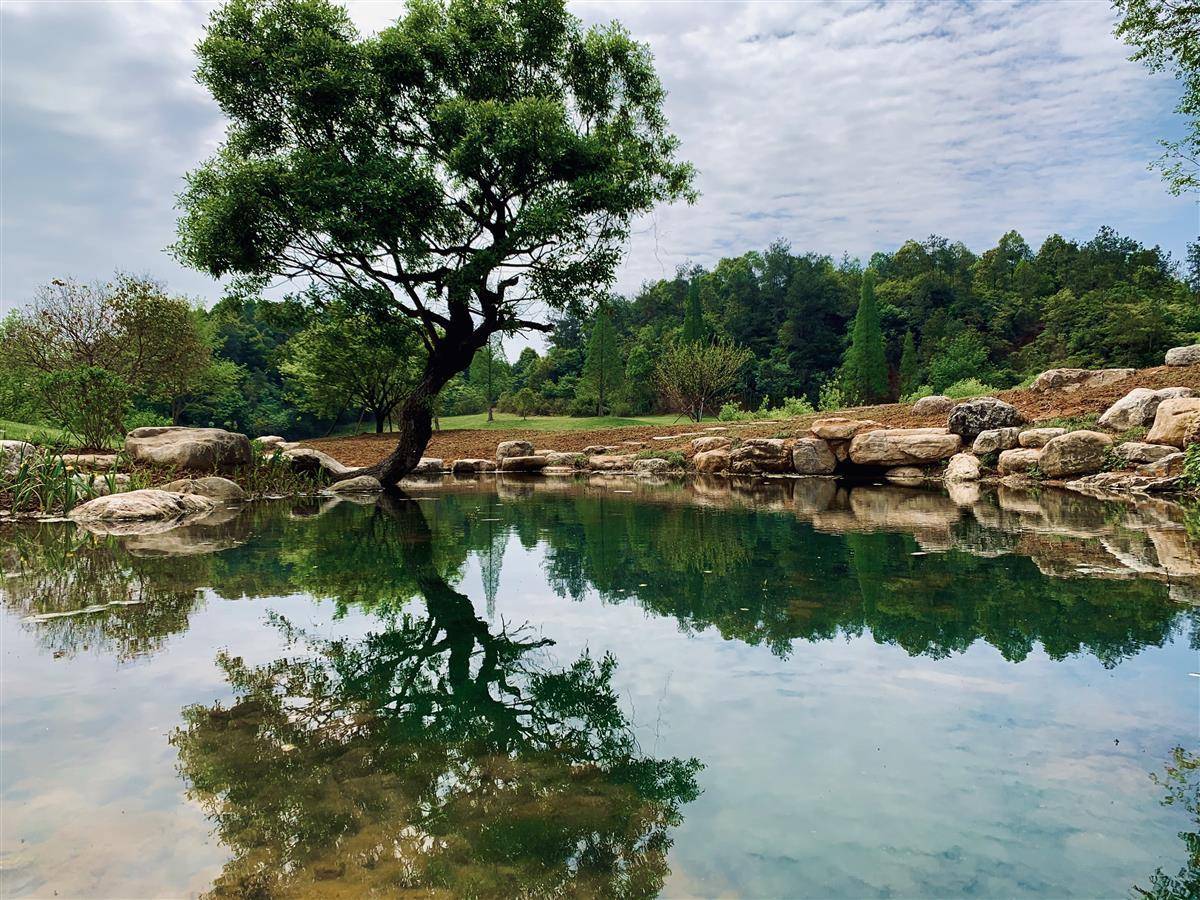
(432, 754)
(81, 591)
(1181, 779)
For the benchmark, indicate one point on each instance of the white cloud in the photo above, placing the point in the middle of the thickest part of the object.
(839, 127)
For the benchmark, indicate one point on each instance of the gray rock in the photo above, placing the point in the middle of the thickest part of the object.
(428, 465)
(506, 449)
(531, 463)
(195, 449)
(652, 466)
(1137, 453)
(1018, 462)
(713, 442)
(903, 446)
(605, 462)
(1039, 437)
(711, 461)
(597, 450)
(839, 428)
(90, 462)
(360, 484)
(12, 453)
(561, 459)
(1169, 466)
(962, 467)
(141, 505)
(270, 440)
(1171, 421)
(813, 456)
(761, 455)
(1138, 408)
(101, 485)
(982, 414)
(937, 405)
(1069, 380)
(1183, 356)
(472, 466)
(212, 486)
(996, 440)
(310, 462)
(1075, 453)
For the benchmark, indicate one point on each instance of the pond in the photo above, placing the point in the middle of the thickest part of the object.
(604, 688)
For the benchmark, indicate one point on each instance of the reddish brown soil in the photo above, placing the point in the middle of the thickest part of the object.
(367, 449)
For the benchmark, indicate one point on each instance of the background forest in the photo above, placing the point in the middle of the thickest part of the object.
(933, 316)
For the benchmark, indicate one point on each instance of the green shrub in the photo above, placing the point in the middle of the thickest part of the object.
(968, 387)
(1191, 467)
(831, 397)
(87, 401)
(145, 418)
(924, 390)
(731, 412)
(794, 407)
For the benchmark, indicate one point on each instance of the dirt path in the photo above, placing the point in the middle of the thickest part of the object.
(367, 449)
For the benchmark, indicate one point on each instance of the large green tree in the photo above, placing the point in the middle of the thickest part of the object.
(865, 370)
(603, 368)
(474, 157)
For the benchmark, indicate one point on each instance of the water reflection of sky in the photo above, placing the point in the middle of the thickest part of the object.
(845, 768)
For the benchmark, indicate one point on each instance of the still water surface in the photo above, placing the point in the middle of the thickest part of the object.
(605, 689)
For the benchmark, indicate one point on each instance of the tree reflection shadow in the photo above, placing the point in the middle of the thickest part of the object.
(434, 754)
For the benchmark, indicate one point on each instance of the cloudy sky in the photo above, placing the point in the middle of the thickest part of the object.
(844, 127)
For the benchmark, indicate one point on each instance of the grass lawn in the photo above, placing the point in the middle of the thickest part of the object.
(507, 421)
(36, 434)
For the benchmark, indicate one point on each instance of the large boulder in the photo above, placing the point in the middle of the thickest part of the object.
(1183, 356)
(710, 461)
(1138, 453)
(308, 461)
(1075, 379)
(513, 448)
(1075, 453)
(1170, 466)
(359, 484)
(839, 428)
(1018, 462)
(13, 453)
(962, 467)
(981, 414)
(194, 449)
(610, 462)
(937, 405)
(712, 442)
(813, 456)
(1172, 419)
(1138, 408)
(761, 455)
(428, 465)
(212, 486)
(1039, 437)
(90, 462)
(996, 440)
(904, 447)
(134, 506)
(530, 463)
(652, 466)
(560, 458)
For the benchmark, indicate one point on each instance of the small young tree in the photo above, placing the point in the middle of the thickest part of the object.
(346, 360)
(865, 369)
(697, 377)
(693, 317)
(910, 372)
(524, 402)
(603, 368)
(490, 373)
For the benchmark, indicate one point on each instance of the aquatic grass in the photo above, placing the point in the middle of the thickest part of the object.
(271, 475)
(674, 457)
(48, 484)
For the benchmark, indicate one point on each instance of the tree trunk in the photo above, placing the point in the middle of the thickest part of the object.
(490, 408)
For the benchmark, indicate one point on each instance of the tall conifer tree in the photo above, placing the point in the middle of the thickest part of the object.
(602, 368)
(693, 318)
(909, 369)
(865, 370)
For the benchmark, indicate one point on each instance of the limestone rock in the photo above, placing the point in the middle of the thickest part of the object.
(937, 405)
(1018, 462)
(981, 414)
(196, 449)
(962, 467)
(270, 440)
(711, 461)
(90, 462)
(530, 463)
(360, 484)
(101, 485)
(1138, 408)
(1039, 437)
(839, 428)
(1183, 356)
(596, 450)
(212, 486)
(904, 475)
(12, 453)
(611, 462)
(1170, 466)
(652, 466)
(996, 440)
(713, 442)
(1074, 379)
(558, 458)
(903, 446)
(1074, 453)
(429, 465)
(472, 466)
(758, 455)
(308, 461)
(513, 448)
(813, 456)
(1137, 453)
(1172, 419)
(140, 505)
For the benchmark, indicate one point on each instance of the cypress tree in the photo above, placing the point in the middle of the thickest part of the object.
(865, 369)
(693, 317)
(602, 367)
(909, 371)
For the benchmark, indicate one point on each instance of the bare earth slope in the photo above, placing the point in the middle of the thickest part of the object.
(367, 449)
